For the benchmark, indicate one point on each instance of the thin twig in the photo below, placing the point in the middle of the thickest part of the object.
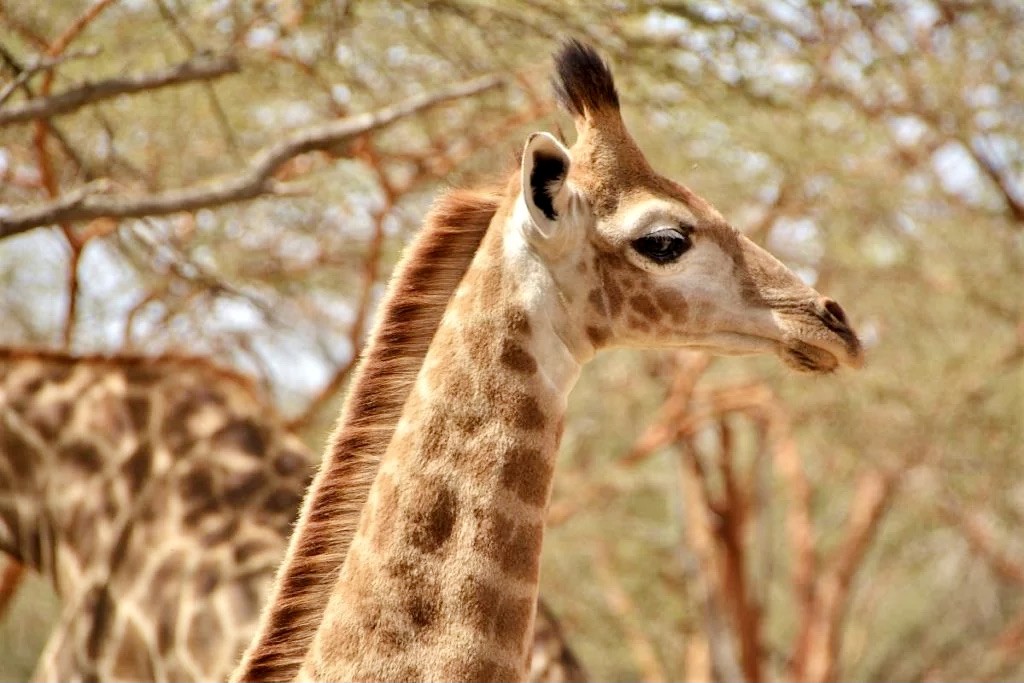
(704, 570)
(211, 94)
(41, 134)
(40, 65)
(1013, 196)
(871, 499)
(72, 32)
(979, 536)
(25, 32)
(673, 413)
(371, 273)
(55, 132)
(800, 530)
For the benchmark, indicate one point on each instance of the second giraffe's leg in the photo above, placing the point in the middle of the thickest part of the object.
(57, 661)
(64, 657)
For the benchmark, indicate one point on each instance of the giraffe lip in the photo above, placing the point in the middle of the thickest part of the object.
(823, 355)
(807, 353)
(809, 358)
(843, 343)
(854, 357)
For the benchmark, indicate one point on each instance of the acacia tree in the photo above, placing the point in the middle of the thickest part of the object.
(204, 176)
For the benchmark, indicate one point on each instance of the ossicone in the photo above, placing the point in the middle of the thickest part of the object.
(583, 82)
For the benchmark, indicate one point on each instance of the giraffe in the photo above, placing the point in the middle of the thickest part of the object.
(155, 494)
(196, 525)
(584, 248)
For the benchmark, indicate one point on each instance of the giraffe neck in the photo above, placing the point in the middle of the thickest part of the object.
(442, 576)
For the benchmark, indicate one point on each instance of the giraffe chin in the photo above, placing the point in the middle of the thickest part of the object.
(804, 357)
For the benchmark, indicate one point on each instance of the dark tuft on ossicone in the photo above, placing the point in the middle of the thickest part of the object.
(583, 82)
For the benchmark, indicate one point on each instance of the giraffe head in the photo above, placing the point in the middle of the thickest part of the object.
(643, 261)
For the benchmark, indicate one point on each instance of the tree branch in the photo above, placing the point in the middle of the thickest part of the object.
(997, 174)
(730, 533)
(800, 531)
(196, 69)
(19, 69)
(675, 415)
(979, 536)
(43, 64)
(371, 268)
(702, 568)
(249, 184)
(871, 498)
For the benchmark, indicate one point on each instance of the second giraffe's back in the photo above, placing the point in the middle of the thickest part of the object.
(158, 495)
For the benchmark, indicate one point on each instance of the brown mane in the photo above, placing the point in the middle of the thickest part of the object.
(418, 294)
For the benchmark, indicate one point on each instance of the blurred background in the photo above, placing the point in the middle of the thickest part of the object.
(712, 518)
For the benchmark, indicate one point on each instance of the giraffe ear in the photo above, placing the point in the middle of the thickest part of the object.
(545, 168)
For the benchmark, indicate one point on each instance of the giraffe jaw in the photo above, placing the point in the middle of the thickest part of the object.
(806, 354)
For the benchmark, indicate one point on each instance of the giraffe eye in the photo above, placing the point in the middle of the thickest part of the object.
(664, 246)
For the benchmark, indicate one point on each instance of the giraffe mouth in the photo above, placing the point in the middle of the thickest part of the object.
(798, 355)
(805, 357)
(806, 337)
(802, 348)
(821, 346)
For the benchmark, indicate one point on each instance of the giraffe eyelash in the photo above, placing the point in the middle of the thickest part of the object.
(664, 246)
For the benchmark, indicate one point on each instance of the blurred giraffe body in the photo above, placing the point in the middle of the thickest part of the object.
(583, 249)
(157, 495)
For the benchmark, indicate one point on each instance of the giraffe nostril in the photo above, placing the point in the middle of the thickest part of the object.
(836, 311)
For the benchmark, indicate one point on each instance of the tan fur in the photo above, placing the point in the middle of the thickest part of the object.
(479, 400)
(423, 282)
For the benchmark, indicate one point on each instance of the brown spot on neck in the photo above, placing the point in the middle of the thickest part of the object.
(516, 358)
(518, 321)
(525, 413)
(526, 472)
(432, 514)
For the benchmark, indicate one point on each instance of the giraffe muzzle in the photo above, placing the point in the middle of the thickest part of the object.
(834, 318)
(822, 339)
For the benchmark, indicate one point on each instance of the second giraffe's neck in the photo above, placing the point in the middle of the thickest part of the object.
(441, 579)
